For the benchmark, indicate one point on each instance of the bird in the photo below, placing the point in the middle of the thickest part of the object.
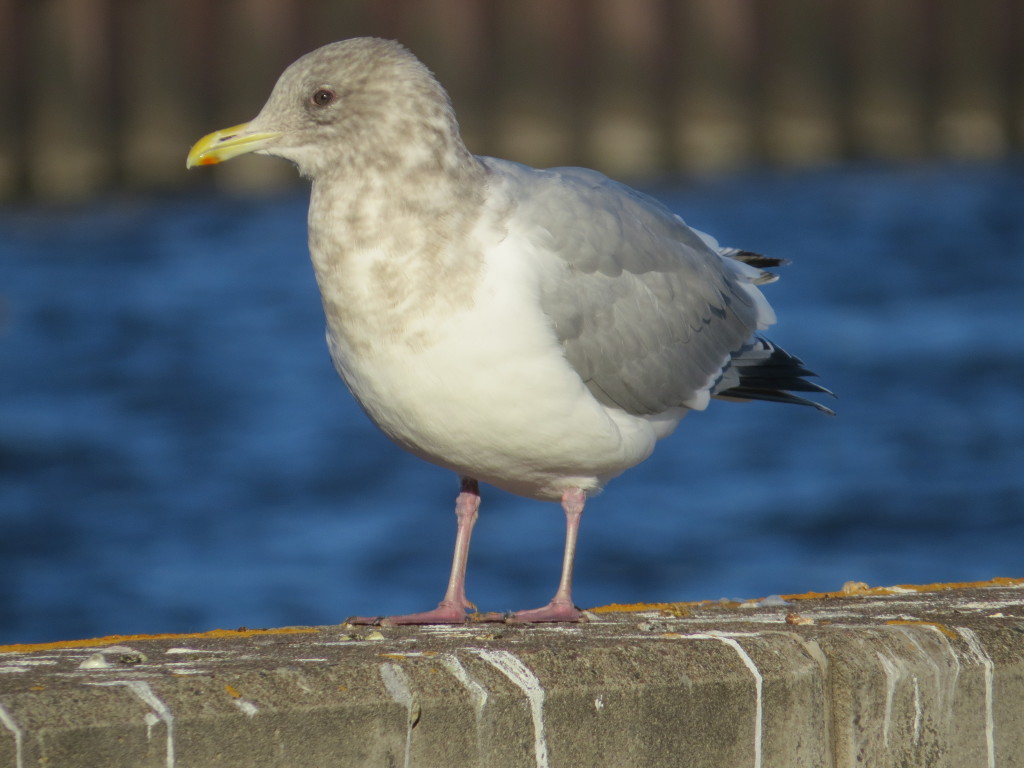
(538, 330)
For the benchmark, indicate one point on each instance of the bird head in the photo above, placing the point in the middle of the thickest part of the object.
(359, 102)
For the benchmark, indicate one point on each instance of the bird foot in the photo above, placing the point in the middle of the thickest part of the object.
(553, 611)
(445, 613)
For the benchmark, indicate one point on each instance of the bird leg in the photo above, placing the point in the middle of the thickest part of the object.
(561, 608)
(452, 609)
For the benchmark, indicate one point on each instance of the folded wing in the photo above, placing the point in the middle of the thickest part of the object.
(652, 314)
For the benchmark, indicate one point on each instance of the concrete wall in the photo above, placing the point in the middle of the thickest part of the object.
(873, 677)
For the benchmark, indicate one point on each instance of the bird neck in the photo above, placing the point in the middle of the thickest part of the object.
(393, 248)
(387, 209)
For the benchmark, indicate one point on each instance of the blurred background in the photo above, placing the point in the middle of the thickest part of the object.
(105, 95)
(177, 454)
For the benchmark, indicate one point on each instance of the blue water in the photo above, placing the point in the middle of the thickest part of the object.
(177, 454)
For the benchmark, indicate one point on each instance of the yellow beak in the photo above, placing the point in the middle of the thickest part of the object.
(224, 144)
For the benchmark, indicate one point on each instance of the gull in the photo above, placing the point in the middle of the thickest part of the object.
(537, 330)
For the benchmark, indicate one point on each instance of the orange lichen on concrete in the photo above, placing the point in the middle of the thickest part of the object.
(118, 639)
(850, 589)
(677, 609)
(865, 590)
(997, 582)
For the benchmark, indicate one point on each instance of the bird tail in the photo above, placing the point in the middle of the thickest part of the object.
(763, 371)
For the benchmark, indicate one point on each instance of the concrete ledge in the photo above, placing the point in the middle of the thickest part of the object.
(879, 678)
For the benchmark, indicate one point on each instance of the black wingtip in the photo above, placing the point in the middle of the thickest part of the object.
(767, 372)
(778, 396)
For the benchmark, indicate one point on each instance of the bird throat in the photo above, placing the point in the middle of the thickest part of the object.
(386, 258)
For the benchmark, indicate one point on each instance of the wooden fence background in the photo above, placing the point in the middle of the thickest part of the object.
(98, 95)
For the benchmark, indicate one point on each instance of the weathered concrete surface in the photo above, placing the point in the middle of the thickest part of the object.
(903, 679)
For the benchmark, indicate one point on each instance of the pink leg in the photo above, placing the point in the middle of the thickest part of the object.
(561, 608)
(452, 609)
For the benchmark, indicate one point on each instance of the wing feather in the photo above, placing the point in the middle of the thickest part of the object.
(646, 310)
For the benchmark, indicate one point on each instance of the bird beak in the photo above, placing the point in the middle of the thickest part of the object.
(230, 142)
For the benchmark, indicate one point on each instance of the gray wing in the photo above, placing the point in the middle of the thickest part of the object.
(648, 313)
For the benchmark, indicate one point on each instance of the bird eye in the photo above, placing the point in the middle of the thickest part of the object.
(322, 97)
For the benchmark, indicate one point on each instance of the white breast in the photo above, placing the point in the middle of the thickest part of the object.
(488, 393)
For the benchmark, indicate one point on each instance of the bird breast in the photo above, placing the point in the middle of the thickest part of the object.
(494, 396)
